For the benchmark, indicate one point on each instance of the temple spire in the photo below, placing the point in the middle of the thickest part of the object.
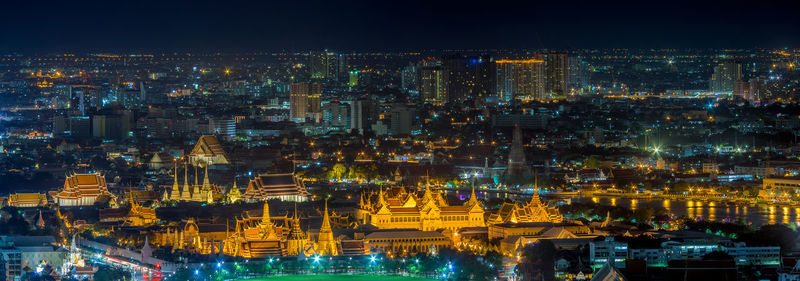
(40, 222)
(326, 220)
(206, 182)
(185, 192)
(265, 216)
(175, 176)
(473, 199)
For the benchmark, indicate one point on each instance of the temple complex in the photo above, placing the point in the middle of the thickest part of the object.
(82, 190)
(285, 187)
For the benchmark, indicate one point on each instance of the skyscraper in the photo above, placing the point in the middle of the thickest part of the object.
(557, 65)
(578, 80)
(336, 115)
(470, 76)
(521, 79)
(433, 83)
(305, 101)
(325, 65)
(402, 119)
(363, 113)
(724, 76)
(410, 78)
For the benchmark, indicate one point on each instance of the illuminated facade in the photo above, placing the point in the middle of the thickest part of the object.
(433, 83)
(305, 101)
(285, 187)
(140, 215)
(208, 151)
(26, 200)
(533, 211)
(82, 190)
(521, 79)
(205, 192)
(428, 212)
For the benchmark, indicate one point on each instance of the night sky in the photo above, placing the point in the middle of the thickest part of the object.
(232, 25)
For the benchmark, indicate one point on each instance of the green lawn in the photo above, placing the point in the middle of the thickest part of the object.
(342, 277)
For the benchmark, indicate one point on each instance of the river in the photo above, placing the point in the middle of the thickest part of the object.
(714, 211)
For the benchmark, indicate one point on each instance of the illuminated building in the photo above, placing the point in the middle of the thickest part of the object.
(433, 83)
(406, 242)
(353, 81)
(285, 187)
(326, 245)
(578, 80)
(557, 68)
(725, 76)
(82, 190)
(325, 65)
(139, 215)
(305, 99)
(205, 192)
(410, 79)
(26, 200)
(363, 113)
(427, 212)
(208, 151)
(234, 194)
(470, 76)
(336, 115)
(533, 211)
(256, 237)
(521, 79)
(297, 240)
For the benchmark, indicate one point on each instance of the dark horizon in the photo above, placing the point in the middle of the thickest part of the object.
(238, 26)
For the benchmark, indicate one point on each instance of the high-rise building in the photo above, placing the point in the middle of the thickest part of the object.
(433, 83)
(756, 91)
(363, 113)
(353, 81)
(557, 67)
(469, 77)
(222, 127)
(578, 80)
(410, 78)
(402, 119)
(521, 79)
(325, 65)
(341, 63)
(305, 101)
(724, 76)
(336, 115)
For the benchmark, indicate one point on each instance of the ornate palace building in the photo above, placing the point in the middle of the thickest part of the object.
(428, 212)
(285, 187)
(533, 211)
(208, 151)
(140, 215)
(26, 200)
(255, 237)
(82, 190)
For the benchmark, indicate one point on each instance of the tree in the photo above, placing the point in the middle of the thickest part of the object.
(591, 163)
(338, 171)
